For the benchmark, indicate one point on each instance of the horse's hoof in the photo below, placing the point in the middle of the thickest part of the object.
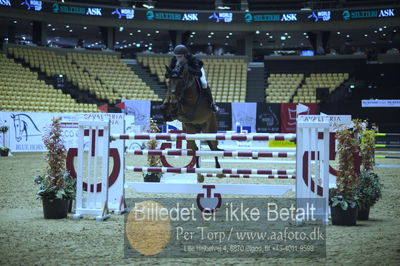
(200, 178)
(220, 175)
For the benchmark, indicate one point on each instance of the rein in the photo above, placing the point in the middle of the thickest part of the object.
(180, 106)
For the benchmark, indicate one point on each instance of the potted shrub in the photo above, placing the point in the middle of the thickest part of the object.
(368, 190)
(153, 161)
(3, 149)
(56, 186)
(343, 201)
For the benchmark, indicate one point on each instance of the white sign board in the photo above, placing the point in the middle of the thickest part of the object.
(380, 103)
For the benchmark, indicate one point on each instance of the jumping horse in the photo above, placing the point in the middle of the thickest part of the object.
(185, 102)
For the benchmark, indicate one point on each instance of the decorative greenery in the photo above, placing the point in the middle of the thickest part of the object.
(49, 191)
(57, 182)
(4, 149)
(349, 140)
(153, 160)
(343, 201)
(368, 149)
(4, 129)
(349, 149)
(368, 190)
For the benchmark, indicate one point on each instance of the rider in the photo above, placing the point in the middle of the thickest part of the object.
(195, 66)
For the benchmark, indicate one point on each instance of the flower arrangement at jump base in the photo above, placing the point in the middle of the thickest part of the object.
(152, 160)
(342, 199)
(356, 190)
(3, 149)
(56, 186)
(368, 190)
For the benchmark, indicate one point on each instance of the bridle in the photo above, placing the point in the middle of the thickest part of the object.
(181, 72)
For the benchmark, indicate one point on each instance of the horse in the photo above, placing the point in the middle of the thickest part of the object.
(185, 102)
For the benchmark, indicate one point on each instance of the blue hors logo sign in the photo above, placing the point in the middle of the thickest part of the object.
(124, 12)
(24, 126)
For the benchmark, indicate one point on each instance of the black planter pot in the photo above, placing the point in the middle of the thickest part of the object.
(4, 153)
(363, 213)
(153, 177)
(344, 217)
(55, 208)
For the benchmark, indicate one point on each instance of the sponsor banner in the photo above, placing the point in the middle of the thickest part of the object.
(289, 115)
(140, 109)
(26, 129)
(281, 144)
(336, 122)
(380, 103)
(224, 117)
(244, 115)
(268, 118)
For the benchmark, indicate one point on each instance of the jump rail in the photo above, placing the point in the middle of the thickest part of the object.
(253, 154)
(205, 136)
(256, 176)
(387, 145)
(179, 170)
(386, 134)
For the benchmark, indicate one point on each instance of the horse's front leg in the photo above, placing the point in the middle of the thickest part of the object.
(192, 145)
(214, 147)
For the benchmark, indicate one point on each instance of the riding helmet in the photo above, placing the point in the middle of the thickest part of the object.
(181, 50)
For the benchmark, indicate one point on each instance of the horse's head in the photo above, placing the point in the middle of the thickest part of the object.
(179, 80)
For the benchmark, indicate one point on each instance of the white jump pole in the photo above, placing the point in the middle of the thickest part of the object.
(313, 146)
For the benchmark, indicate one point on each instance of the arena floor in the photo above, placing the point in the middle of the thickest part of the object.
(26, 238)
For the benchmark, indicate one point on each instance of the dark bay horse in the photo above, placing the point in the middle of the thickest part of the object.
(185, 102)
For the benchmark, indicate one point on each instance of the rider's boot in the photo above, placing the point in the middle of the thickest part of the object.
(214, 107)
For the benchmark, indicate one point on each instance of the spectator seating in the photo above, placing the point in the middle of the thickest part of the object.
(307, 92)
(114, 74)
(105, 76)
(21, 90)
(282, 87)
